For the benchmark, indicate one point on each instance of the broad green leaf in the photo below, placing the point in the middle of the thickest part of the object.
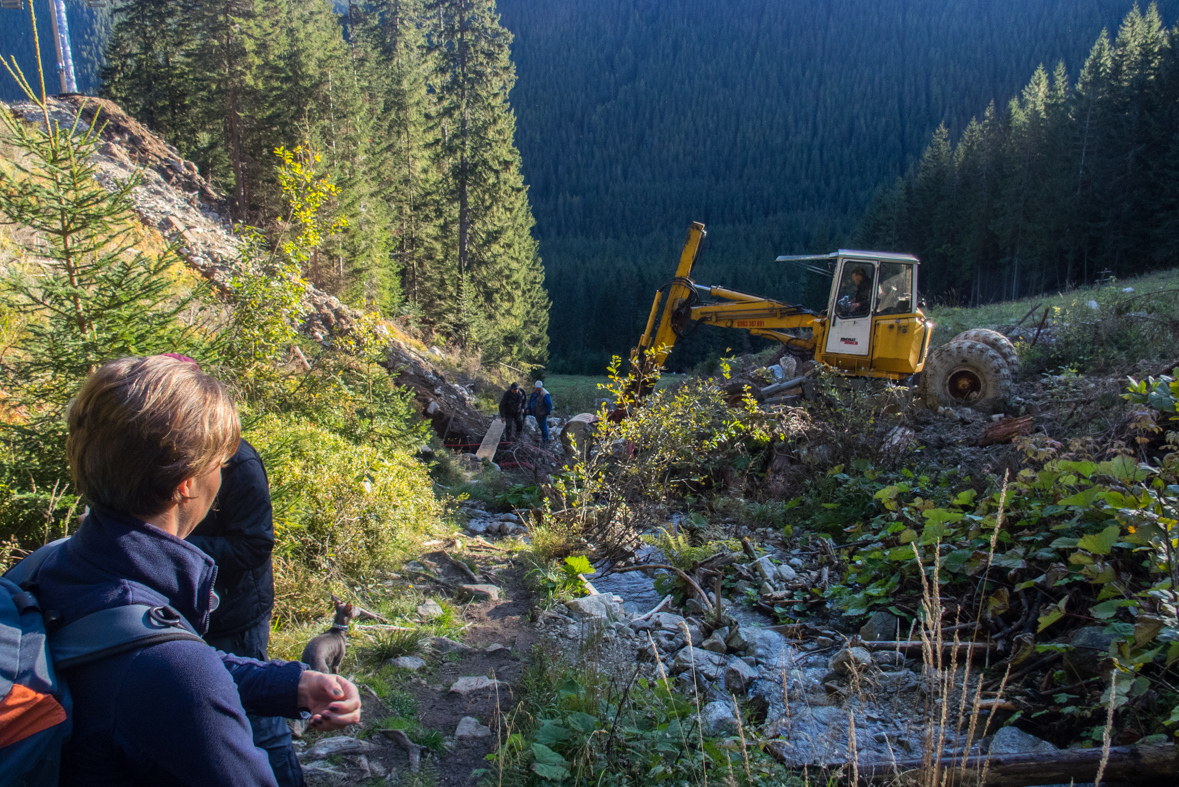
(1172, 653)
(543, 754)
(965, 498)
(1084, 469)
(582, 722)
(908, 535)
(938, 515)
(551, 734)
(1100, 543)
(1084, 498)
(579, 564)
(1106, 609)
(1064, 543)
(933, 532)
(1124, 468)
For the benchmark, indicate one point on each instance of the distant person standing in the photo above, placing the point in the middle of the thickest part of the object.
(540, 404)
(238, 533)
(511, 408)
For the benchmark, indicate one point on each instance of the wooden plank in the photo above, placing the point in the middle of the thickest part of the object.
(491, 440)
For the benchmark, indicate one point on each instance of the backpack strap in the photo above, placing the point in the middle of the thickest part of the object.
(116, 630)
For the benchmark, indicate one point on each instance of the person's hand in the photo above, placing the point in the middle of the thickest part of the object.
(333, 701)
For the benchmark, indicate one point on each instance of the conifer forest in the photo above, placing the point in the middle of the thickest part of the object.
(492, 157)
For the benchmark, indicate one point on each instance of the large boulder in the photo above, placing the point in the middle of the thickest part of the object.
(710, 666)
(738, 676)
(718, 718)
(1090, 654)
(881, 627)
(599, 607)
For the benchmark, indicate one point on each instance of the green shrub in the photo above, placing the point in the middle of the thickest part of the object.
(341, 509)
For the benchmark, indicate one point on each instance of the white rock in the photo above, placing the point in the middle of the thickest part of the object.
(796, 562)
(786, 573)
(466, 685)
(600, 607)
(429, 610)
(470, 728)
(339, 745)
(412, 663)
(489, 592)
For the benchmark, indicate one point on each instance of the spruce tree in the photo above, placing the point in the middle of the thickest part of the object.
(486, 284)
(149, 69)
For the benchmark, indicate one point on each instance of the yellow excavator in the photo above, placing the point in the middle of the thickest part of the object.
(870, 328)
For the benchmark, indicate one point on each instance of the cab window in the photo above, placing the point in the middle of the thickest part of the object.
(855, 290)
(894, 295)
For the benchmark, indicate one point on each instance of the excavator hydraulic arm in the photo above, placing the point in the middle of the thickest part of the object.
(659, 337)
(678, 304)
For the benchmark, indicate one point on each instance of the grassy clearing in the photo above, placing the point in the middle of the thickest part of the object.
(576, 393)
(952, 320)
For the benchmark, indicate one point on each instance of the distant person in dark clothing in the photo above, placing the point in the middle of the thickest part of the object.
(147, 440)
(511, 409)
(238, 533)
(540, 404)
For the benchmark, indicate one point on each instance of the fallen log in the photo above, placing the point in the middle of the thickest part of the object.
(1006, 430)
(1147, 765)
(974, 648)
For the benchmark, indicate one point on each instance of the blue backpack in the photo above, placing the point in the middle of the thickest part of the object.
(34, 700)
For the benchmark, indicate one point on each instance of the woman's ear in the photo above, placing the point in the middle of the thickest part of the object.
(185, 491)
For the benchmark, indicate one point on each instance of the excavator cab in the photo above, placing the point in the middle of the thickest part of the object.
(872, 325)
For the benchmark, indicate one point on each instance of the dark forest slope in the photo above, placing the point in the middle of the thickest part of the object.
(771, 122)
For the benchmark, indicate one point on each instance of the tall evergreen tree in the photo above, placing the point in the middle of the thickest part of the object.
(149, 71)
(487, 267)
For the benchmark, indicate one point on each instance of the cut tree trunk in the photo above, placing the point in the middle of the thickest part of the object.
(1006, 430)
(1147, 765)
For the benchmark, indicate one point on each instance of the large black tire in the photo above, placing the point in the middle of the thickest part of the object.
(966, 374)
(996, 341)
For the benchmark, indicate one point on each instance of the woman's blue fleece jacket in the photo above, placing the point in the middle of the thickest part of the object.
(173, 713)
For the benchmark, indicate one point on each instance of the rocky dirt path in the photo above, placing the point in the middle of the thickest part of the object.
(459, 687)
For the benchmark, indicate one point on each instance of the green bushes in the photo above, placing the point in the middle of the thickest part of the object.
(341, 509)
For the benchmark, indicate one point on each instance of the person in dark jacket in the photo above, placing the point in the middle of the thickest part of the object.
(147, 438)
(540, 404)
(511, 409)
(238, 533)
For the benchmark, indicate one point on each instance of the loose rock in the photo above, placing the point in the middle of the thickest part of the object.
(339, 745)
(429, 610)
(718, 718)
(1090, 654)
(848, 660)
(880, 627)
(738, 676)
(412, 663)
(600, 607)
(470, 729)
(489, 592)
(466, 685)
(1012, 740)
(714, 643)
